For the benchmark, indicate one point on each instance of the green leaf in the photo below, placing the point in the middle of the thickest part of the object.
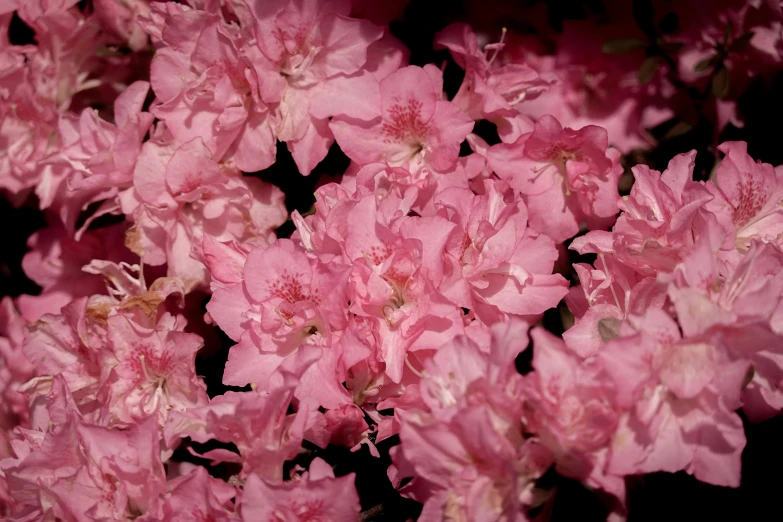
(679, 129)
(609, 328)
(741, 42)
(669, 24)
(644, 14)
(622, 45)
(728, 32)
(671, 47)
(704, 64)
(720, 83)
(648, 69)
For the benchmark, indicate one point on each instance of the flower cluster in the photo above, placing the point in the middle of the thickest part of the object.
(402, 305)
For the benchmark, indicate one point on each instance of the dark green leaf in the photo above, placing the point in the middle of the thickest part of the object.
(643, 13)
(648, 69)
(609, 328)
(669, 24)
(622, 45)
(679, 129)
(740, 43)
(728, 32)
(720, 83)
(671, 47)
(705, 64)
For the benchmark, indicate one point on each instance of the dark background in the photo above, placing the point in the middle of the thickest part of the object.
(655, 497)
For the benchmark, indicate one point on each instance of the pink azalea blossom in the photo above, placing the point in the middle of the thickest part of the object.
(306, 51)
(748, 194)
(469, 455)
(206, 88)
(257, 423)
(97, 157)
(15, 370)
(120, 17)
(568, 177)
(290, 301)
(493, 263)
(89, 472)
(592, 87)
(744, 304)
(570, 405)
(408, 123)
(42, 82)
(492, 88)
(658, 220)
(180, 193)
(55, 263)
(680, 395)
(315, 495)
(154, 373)
(608, 293)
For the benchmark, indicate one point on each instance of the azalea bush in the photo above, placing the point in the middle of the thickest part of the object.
(332, 260)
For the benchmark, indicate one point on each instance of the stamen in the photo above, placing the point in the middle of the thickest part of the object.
(498, 46)
(144, 367)
(518, 99)
(611, 283)
(538, 171)
(414, 370)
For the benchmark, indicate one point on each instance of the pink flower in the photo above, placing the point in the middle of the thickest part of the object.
(154, 373)
(659, 219)
(88, 472)
(608, 293)
(593, 88)
(180, 193)
(123, 358)
(315, 495)
(99, 157)
(469, 455)
(411, 124)
(567, 176)
(750, 192)
(493, 86)
(290, 301)
(492, 263)
(120, 18)
(199, 497)
(207, 88)
(40, 84)
(55, 263)
(570, 405)
(744, 305)
(680, 395)
(15, 370)
(257, 423)
(391, 287)
(307, 52)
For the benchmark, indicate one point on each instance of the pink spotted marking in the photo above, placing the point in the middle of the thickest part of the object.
(147, 364)
(235, 72)
(405, 124)
(288, 288)
(190, 183)
(396, 277)
(300, 36)
(752, 198)
(562, 152)
(379, 253)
